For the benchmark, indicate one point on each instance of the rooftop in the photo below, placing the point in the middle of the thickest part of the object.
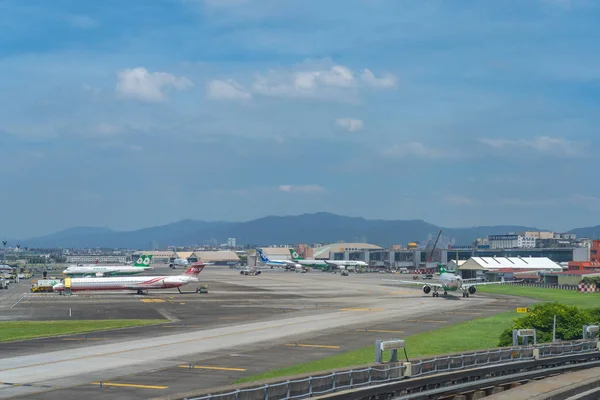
(510, 263)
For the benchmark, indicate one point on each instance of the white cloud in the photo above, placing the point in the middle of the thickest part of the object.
(106, 129)
(350, 124)
(541, 144)
(226, 90)
(415, 149)
(317, 79)
(301, 188)
(81, 21)
(387, 80)
(458, 200)
(139, 84)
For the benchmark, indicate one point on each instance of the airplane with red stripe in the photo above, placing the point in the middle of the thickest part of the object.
(139, 283)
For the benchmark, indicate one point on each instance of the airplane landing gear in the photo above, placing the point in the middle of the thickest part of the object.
(435, 292)
(141, 292)
(465, 294)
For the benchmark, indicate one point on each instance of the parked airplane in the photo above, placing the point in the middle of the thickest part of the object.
(341, 264)
(448, 282)
(142, 264)
(250, 271)
(139, 283)
(277, 263)
(179, 262)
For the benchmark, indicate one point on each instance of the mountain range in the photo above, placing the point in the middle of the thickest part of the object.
(305, 228)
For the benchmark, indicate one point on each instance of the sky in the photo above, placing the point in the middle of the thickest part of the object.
(128, 114)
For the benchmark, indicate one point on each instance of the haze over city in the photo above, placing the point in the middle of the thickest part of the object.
(134, 114)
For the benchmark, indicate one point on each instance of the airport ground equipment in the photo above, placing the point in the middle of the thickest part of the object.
(43, 285)
(525, 334)
(590, 331)
(393, 380)
(393, 345)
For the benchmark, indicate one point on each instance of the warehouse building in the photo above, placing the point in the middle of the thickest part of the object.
(571, 278)
(495, 268)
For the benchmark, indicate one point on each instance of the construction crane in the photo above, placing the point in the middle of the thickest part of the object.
(434, 245)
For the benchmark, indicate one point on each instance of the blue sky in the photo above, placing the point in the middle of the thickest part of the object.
(128, 114)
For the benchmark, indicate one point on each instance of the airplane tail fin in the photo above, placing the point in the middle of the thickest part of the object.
(262, 256)
(143, 261)
(295, 256)
(441, 268)
(194, 270)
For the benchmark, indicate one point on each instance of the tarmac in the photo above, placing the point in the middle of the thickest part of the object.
(245, 325)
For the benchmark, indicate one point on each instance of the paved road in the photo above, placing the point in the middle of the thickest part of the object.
(312, 309)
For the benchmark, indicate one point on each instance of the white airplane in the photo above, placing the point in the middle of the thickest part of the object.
(183, 262)
(250, 271)
(340, 264)
(448, 282)
(278, 263)
(142, 264)
(139, 283)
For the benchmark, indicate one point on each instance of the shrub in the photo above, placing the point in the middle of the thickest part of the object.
(569, 322)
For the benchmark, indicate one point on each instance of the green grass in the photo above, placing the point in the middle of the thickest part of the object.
(20, 330)
(477, 334)
(481, 333)
(568, 297)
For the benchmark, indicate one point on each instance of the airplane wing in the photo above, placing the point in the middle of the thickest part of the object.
(467, 285)
(420, 283)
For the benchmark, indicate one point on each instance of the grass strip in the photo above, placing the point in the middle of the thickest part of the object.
(20, 330)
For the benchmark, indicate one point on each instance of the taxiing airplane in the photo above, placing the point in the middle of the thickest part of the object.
(277, 263)
(341, 264)
(142, 264)
(139, 283)
(448, 282)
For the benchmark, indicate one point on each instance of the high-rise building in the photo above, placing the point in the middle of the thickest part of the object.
(231, 242)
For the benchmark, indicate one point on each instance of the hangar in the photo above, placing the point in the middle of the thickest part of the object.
(491, 268)
(572, 277)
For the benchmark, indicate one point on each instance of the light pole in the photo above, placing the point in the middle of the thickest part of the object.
(4, 243)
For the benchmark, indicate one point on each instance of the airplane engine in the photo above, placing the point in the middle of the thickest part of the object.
(257, 272)
(426, 289)
(472, 289)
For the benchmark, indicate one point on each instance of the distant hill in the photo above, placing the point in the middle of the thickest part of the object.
(305, 228)
(592, 232)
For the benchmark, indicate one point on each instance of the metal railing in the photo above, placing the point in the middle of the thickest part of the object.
(356, 378)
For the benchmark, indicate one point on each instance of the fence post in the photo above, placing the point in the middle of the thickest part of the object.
(266, 397)
(351, 379)
(333, 375)
(288, 390)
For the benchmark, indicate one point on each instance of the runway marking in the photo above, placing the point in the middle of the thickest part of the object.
(424, 320)
(378, 331)
(362, 309)
(18, 301)
(131, 385)
(212, 368)
(154, 346)
(318, 346)
(153, 301)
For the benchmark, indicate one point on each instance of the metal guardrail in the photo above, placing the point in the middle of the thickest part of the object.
(385, 373)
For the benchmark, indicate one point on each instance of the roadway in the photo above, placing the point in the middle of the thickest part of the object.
(244, 325)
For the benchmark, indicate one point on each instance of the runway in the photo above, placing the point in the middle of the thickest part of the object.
(247, 325)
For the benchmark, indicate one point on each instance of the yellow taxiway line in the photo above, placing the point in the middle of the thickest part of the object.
(212, 368)
(131, 385)
(318, 346)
